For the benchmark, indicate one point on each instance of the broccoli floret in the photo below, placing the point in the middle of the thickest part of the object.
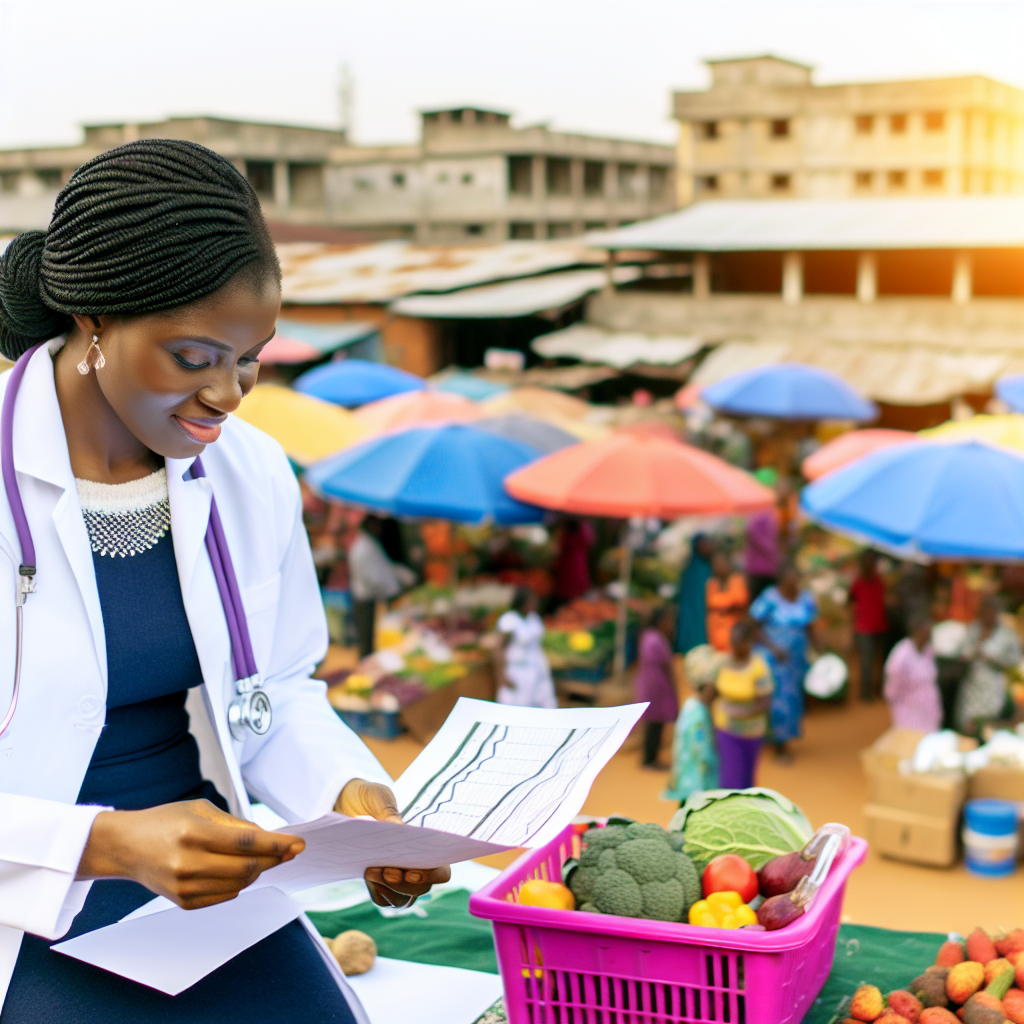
(635, 871)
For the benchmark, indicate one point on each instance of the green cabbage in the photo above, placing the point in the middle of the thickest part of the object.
(758, 824)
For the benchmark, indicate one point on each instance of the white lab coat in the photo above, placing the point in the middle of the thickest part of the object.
(298, 768)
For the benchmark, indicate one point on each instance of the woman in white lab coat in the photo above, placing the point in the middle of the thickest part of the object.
(155, 287)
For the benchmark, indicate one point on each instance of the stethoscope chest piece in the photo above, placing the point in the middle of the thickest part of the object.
(249, 710)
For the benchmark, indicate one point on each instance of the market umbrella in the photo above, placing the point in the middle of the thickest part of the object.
(1011, 391)
(962, 499)
(416, 409)
(306, 428)
(352, 382)
(1007, 431)
(468, 385)
(449, 471)
(849, 447)
(637, 473)
(544, 438)
(281, 349)
(789, 391)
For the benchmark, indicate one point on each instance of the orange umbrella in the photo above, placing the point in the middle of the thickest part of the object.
(634, 473)
(851, 446)
(416, 408)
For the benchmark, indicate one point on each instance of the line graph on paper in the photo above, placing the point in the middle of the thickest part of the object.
(504, 782)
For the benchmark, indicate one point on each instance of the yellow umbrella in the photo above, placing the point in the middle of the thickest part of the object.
(1007, 431)
(306, 428)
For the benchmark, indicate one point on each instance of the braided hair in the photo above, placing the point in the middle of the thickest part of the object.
(153, 225)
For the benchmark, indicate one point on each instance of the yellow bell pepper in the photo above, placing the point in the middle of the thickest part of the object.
(722, 910)
(538, 893)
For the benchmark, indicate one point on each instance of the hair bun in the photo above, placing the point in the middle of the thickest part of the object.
(24, 318)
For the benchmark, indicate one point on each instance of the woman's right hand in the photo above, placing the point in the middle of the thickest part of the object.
(191, 852)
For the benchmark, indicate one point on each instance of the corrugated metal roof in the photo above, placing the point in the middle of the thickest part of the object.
(727, 225)
(382, 272)
(615, 348)
(513, 298)
(327, 337)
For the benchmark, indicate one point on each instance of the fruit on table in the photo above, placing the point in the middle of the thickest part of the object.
(781, 874)
(730, 873)
(980, 947)
(983, 1008)
(906, 1004)
(1012, 942)
(867, 1003)
(722, 910)
(581, 641)
(996, 967)
(964, 980)
(635, 870)
(355, 951)
(950, 953)
(778, 911)
(538, 893)
(938, 1015)
(999, 985)
(930, 987)
(1013, 1005)
(889, 1017)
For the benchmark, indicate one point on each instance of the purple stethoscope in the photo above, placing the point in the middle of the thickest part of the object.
(251, 707)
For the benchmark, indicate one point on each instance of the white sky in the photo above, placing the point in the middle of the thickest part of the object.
(603, 66)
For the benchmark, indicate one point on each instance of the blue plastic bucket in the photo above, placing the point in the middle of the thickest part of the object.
(990, 837)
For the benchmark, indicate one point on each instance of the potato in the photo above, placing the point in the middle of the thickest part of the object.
(355, 951)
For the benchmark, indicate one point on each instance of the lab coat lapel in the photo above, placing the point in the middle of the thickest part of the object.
(41, 451)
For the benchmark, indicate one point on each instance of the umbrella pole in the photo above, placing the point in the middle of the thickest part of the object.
(619, 664)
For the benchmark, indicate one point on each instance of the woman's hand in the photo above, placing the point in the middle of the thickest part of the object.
(389, 887)
(191, 852)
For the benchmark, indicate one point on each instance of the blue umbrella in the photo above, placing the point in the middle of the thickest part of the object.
(351, 382)
(444, 472)
(1011, 391)
(946, 500)
(469, 386)
(789, 391)
(544, 438)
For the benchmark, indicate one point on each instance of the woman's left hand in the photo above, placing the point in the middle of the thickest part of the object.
(389, 887)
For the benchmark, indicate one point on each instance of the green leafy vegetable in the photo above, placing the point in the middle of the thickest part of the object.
(757, 824)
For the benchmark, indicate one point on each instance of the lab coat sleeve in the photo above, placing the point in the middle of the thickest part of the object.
(301, 765)
(41, 844)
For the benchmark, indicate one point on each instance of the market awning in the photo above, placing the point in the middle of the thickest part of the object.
(591, 344)
(512, 298)
(327, 337)
(894, 374)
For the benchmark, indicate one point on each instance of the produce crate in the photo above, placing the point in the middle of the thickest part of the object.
(569, 967)
(381, 725)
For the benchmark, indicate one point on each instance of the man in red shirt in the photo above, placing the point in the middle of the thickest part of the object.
(867, 594)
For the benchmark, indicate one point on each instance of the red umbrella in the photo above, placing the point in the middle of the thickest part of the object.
(638, 473)
(416, 408)
(289, 350)
(849, 447)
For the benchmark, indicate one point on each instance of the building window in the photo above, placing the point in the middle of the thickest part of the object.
(467, 179)
(780, 129)
(627, 179)
(9, 181)
(707, 130)
(521, 229)
(864, 123)
(560, 229)
(50, 177)
(261, 176)
(782, 182)
(474, 230)
(520, 176)
(558, 176)
(398, 179)
(934, 121)
(863, 179)
(657, 182)
(934, 179)
(707, 183)
(897, 179)
(306, 185)
(593, 178)
(898, 124)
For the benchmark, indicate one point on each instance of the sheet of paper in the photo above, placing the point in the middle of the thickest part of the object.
(399, 991)
(515, 776)
(338, 847)
(173, 949)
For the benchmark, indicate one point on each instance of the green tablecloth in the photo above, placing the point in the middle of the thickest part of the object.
(450, 936)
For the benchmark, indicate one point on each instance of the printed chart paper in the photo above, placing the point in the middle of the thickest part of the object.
(515, 776)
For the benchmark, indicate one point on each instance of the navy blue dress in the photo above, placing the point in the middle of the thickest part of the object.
(144, 757)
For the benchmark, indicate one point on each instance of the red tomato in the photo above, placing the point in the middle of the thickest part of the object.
(730, 873)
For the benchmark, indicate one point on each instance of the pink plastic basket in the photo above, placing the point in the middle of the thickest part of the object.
(567, 967)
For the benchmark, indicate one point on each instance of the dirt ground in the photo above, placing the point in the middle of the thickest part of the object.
(826, 780)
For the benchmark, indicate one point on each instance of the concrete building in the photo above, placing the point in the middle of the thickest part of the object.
(472, 177)
(764, 129)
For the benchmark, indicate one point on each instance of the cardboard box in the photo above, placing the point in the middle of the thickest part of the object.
(895, 745)
(916, 838)
(934, 796)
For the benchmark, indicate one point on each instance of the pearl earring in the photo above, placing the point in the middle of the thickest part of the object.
(99, 362)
